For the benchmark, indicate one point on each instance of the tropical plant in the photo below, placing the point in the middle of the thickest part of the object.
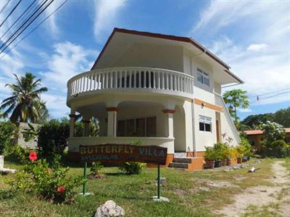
(236, 99)
(25, 103)
(132, 167)
(96, 168)
(50, 182)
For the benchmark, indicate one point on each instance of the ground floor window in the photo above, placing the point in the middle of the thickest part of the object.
(140, 127)
(205, 123)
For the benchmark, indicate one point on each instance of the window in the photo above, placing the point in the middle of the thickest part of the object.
(202, 77)
(137, 127)
(204, 123)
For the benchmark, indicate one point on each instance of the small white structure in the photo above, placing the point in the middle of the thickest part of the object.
(163, 90)
(4, 170)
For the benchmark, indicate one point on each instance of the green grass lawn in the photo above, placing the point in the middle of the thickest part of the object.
(134, 193)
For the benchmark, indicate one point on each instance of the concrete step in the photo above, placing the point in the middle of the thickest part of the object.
(178, 165)
(182, 160)
(179, 154)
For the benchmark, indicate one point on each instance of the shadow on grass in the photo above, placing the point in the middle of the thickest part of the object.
(6, 194)
(116, 174)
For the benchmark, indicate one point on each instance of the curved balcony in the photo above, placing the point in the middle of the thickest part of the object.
(131, 79)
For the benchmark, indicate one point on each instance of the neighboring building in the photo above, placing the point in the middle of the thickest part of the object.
(32, 144)
(163, 90)
(256, 137)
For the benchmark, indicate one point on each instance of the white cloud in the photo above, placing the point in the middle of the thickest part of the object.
(68, 60)
(56, 105)
(260, 55)
(106, 13)
(257, 47)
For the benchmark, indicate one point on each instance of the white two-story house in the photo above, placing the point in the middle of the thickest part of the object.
(160, 89)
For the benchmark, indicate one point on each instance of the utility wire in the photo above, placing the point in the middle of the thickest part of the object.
(23, 24)
(260, 95)
(34, 28)
(27, 9)
(11, 12)
(3, 8)
(24, 28)
(268, 97)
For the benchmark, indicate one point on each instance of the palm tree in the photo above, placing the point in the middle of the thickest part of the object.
(25, 103)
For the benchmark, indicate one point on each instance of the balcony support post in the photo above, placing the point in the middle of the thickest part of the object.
(86, 130)
(112, 121)
(72, 123)
(169, 122)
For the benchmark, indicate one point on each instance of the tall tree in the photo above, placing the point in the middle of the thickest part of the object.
(254, 121)
(236, 99)
(282, 117)
(25, 104)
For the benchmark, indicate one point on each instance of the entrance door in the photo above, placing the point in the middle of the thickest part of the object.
(217, 131)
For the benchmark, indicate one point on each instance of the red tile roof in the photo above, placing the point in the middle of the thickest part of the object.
(260, 132)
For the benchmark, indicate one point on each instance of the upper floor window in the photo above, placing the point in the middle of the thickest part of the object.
(202, 77)
(204, 123)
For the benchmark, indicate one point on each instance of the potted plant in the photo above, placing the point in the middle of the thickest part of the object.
(218, 149)
(209, 157)
(232, 155)
(226, 153)
(240, 153)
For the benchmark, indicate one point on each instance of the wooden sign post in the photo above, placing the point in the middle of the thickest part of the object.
(119, 153)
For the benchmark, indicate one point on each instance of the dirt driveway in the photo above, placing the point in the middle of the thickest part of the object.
(263, 200)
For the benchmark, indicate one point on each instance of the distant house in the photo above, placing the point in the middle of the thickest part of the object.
(160, 89)
(256, 137)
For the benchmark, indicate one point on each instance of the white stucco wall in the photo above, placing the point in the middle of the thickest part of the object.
(202, 138)
(151, 55)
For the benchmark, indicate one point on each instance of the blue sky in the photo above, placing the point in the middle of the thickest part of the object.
(253, 37)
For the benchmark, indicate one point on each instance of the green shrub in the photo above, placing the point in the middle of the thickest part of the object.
(247, 146)
(96, 168)
(7, 133)
(278, 148)
(241, 150)
(49, 182)
(132, 167)
(209, 153)
(53, 136)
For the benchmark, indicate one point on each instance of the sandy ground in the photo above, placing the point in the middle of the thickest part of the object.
(263, 195)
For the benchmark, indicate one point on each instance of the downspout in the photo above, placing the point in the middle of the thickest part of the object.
(193, 128)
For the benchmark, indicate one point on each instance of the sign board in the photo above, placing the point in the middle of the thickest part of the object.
(112, 153)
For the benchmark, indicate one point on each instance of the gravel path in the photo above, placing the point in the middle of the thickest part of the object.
(262, 195)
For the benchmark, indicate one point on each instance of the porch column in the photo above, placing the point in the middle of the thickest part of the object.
(86, 127)
(169, 122)
(72, 123)
(112, 121)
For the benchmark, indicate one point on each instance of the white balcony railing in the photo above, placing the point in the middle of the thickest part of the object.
(131, 78)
